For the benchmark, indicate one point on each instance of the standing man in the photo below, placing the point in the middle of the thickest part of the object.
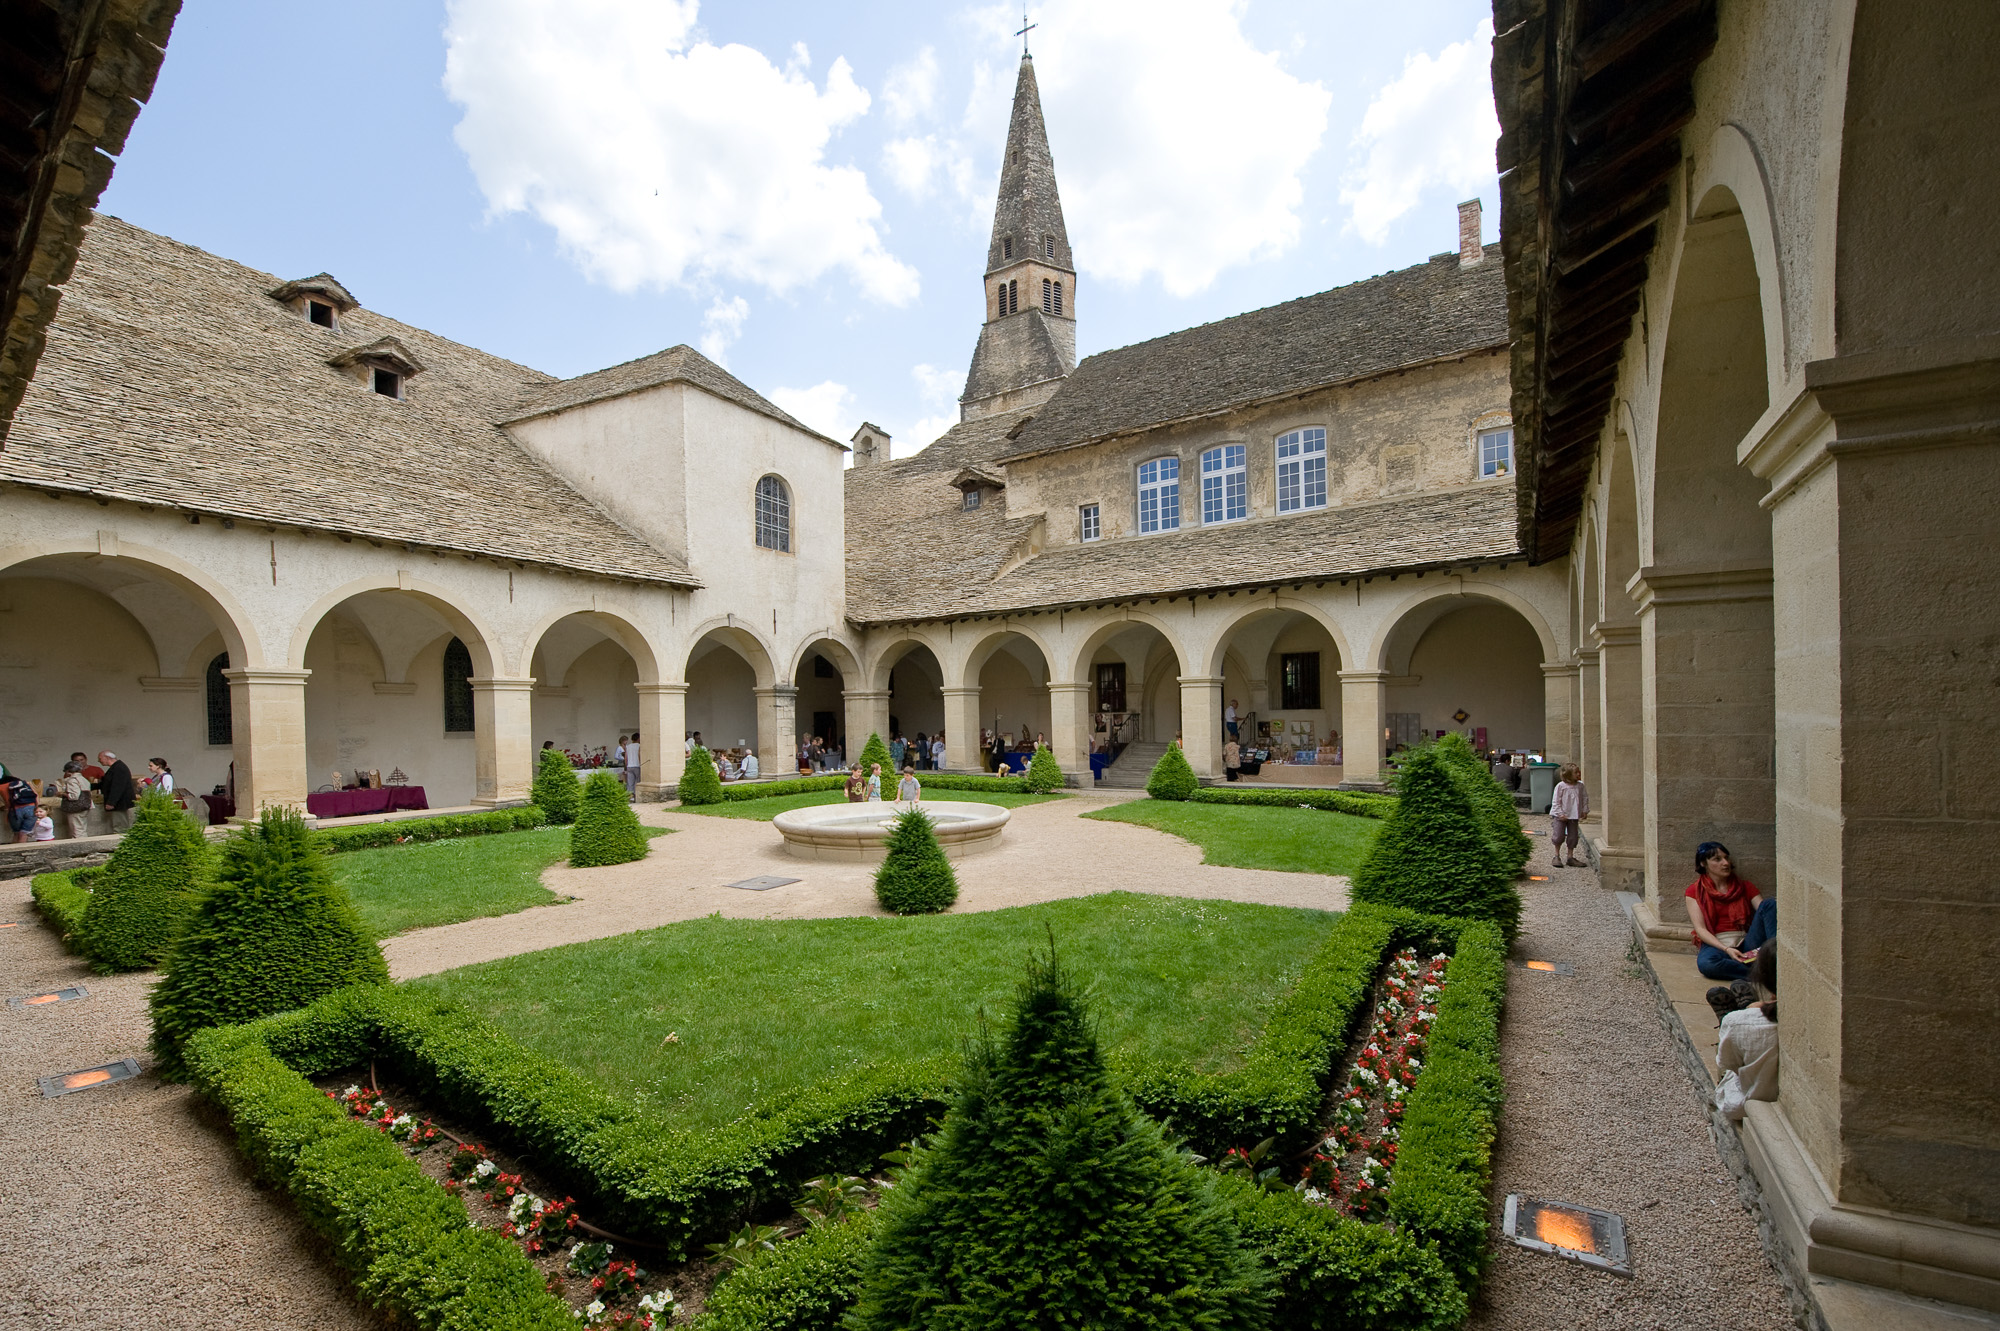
(75, 791)
(632, 767)
(119, 792)
(937, 751)
(1229, 720)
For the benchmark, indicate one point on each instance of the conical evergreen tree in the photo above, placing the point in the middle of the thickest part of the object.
(699, 783)
(1049, 1201)
(916, 876)
(1490, 800)
(875, 751)
(556, 791)
(147, 889)
(273, 932)
(1172, 778)
(606, 831)
(1434, 853)
(1044, 773)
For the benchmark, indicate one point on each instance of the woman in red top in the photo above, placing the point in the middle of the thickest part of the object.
(1731, 918)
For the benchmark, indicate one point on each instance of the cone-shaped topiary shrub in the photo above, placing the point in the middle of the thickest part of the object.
(147, 889)
(915, 877)
(1172, 778)
(1044, 773)
(1490, 800)
(1049, 1201)
(875, 751)
(1434, 854)
(273, 932)
(699, 783)
(606, 831)
(556, 791)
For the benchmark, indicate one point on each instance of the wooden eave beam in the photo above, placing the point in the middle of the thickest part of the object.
(1634, 27)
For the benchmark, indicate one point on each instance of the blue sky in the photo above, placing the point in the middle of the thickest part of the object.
(805, 191)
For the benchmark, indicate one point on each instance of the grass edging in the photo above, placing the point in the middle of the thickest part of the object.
(444, 827)
(1359, 803)
(404, 1239)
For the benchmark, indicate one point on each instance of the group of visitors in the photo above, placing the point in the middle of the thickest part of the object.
(29, 817)
(924, 753)
(820, 754)
(864, 787)
(999, 759)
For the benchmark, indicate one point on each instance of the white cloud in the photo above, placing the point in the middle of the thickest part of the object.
(938, 391)
(912, 163)
(826, 407)
(1434, 126)
(910, 90)
(1179, 145)
(937, 387)
(721, 326)
(659, 158)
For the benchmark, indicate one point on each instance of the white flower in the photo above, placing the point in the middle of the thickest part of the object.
(595, 1308)
(1315, 1195)
(485, 1169)
(656, 1303)
(352, 1090)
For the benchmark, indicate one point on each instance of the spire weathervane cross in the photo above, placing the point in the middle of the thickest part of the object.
(1026, 27)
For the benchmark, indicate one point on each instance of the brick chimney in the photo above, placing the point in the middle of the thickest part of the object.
(871, 445)
(1470, 252)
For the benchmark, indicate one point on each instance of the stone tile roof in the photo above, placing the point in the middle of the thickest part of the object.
(1013, 352)
(1409, 317)
(171, 377)
(914, 554)
(677, 364)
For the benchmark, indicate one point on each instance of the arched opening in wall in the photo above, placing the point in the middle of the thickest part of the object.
(1012, 676)
(1133, 672)
(112, 653)
(586, 687)
(826, 669)
(1469, 665)
(1705, 594)
(1618, 795)
(915, 681)
(724, 671)
(1280, 670)
(389, 701)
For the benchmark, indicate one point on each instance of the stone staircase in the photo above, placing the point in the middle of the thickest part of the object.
(1132, 768)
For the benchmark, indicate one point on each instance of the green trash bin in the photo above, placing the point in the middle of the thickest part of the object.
(1541, 786)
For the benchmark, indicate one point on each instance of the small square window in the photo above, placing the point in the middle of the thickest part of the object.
(320, 313)
(388, 383)
(1496, 452)
(1087, 523)
(971, 500)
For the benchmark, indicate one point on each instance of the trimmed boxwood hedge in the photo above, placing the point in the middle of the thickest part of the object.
(62, 899)
(1359, 803)
(1172, 778)
(147, 889)
(404, 1239)
(1044, 772)
(800, 785)
(369, 836)
(606, 830)
(556, 791)
(640, 1175)
(915, 877)
(805, 1285)
(1436, 852)
(700, 783)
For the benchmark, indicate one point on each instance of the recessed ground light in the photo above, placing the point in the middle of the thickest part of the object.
(1538, 878)
(1578, 1233)
(68, 995)
(1552, 967)
(763, 884)
(86, 1079)
(11, 924)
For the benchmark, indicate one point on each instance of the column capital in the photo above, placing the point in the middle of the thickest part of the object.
(501, 683)
(266, 675)
(1586, 658)
(864, 695)
(1065, 686)
(960, 693)
(1699, 584)
(661, 690)
(1363, 676)
(1614, 635)
(1198, 680)
(777, 691)
(1559, 669)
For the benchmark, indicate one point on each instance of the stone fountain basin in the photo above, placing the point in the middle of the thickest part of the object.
(859, 833)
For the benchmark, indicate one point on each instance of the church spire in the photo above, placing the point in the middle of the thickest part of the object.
(1029, 342)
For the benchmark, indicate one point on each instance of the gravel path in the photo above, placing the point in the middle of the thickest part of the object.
(1049, 851)
(1600, 1112)
(127, 1205)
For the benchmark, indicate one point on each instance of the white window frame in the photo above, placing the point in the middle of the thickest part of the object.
(778, 520)
(1301, 458)
(1494, 462)
(1160, 494)
(1225, 484)
(969, 499)
(1089, 523)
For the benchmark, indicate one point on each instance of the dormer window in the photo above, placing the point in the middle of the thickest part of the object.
(973, 483)
(970, 501)
(319, 312)
(384, 366)
(318, 299)
(388, 383)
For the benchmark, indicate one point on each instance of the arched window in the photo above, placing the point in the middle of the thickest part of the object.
(774, 515)
(220, 729)
(1160, 495)
(1225, 484)
(1302, 470)
(1058, 298)
(1013, 298)
(457, 687)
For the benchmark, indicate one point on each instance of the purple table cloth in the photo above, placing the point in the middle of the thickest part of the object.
(349, 803)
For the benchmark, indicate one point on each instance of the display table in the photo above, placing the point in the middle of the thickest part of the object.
(349, 803)
(1098, 762)
(220, 809)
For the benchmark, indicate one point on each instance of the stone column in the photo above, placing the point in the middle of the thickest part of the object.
(1201, 723)
(1069, 728)
(961, 730)
(1590, 736)
(777, 721)
(267, 708)
(1558, 686)
(1364, 716)
(1706, 678)
(503, 727)
(662, 739)
(1621, 796)
(867, 712)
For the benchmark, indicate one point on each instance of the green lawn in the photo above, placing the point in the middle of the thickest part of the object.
(442, 882)
(770, 807)
(765, 1007)
(1248, 836)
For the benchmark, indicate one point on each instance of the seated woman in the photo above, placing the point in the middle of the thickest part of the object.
(1746, 1053)
(1731, 919)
